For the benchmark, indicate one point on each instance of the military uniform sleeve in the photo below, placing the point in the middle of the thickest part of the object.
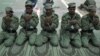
(78, 17)
(15, 23)
(55, 22)
(97, 27)
(3, 25)
(64, 23)
(22, 21)
(34, 22)
(42, 22)
(84, 23)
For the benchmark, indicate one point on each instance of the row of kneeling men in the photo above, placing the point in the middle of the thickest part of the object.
(71, 22)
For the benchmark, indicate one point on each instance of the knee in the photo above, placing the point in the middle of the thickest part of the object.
(31, 42)
(77, 43)
(19, 42)
(8, 44)
(38, 43)
(1, 41)
(96, 43)
(85, 44)
(40, 40)
(32, 39)
(54, 43)
(64, 44)
(85, 41)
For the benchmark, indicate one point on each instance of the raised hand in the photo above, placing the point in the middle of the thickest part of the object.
(27, 17)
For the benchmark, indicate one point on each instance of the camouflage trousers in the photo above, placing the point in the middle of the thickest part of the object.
(45, 36)
(89, 37)
(22, 37)
(66, 38)
(7, 38)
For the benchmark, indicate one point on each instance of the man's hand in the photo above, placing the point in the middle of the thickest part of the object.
(73, 22)
(48, 21)
(27, 17)
(8, 20)
(95, 21)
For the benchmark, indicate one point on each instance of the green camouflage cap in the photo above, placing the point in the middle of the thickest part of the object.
(72, 5)
(29, 3)
(92, 8)
(8, 9)
(48, 1)
(48, 6)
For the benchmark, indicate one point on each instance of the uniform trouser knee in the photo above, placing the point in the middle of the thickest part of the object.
(1, 41)
(32, 39)
(20, 42)
(40, 40)
(64, 42)
(85, 41)
(54, 40)
(21, 39)
(95, 42)
(77, 43)
(54, 43)
(9, 42)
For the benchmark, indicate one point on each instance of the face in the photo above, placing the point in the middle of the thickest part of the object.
(9, 13)
(29, 9)
(92, 13)
(48, 11)
(71, 10)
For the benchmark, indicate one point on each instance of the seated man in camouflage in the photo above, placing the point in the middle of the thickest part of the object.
(49, 23)
(28, 21)
(9, 26)
(89, 22)
(87, 3)
(69, 28)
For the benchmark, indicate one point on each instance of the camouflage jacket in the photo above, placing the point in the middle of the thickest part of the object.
(65, 25)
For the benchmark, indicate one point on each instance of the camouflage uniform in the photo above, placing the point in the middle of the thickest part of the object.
(48, 32)
(28, 30)
(88, 26)
(9, 28)
(69, 33)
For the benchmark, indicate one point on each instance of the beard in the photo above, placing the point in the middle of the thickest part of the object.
(49, 13)
(29, 11)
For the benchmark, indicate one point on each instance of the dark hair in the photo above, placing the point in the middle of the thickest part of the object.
(11, 11)
(71, 7)
(89, 10)
(29, 6)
